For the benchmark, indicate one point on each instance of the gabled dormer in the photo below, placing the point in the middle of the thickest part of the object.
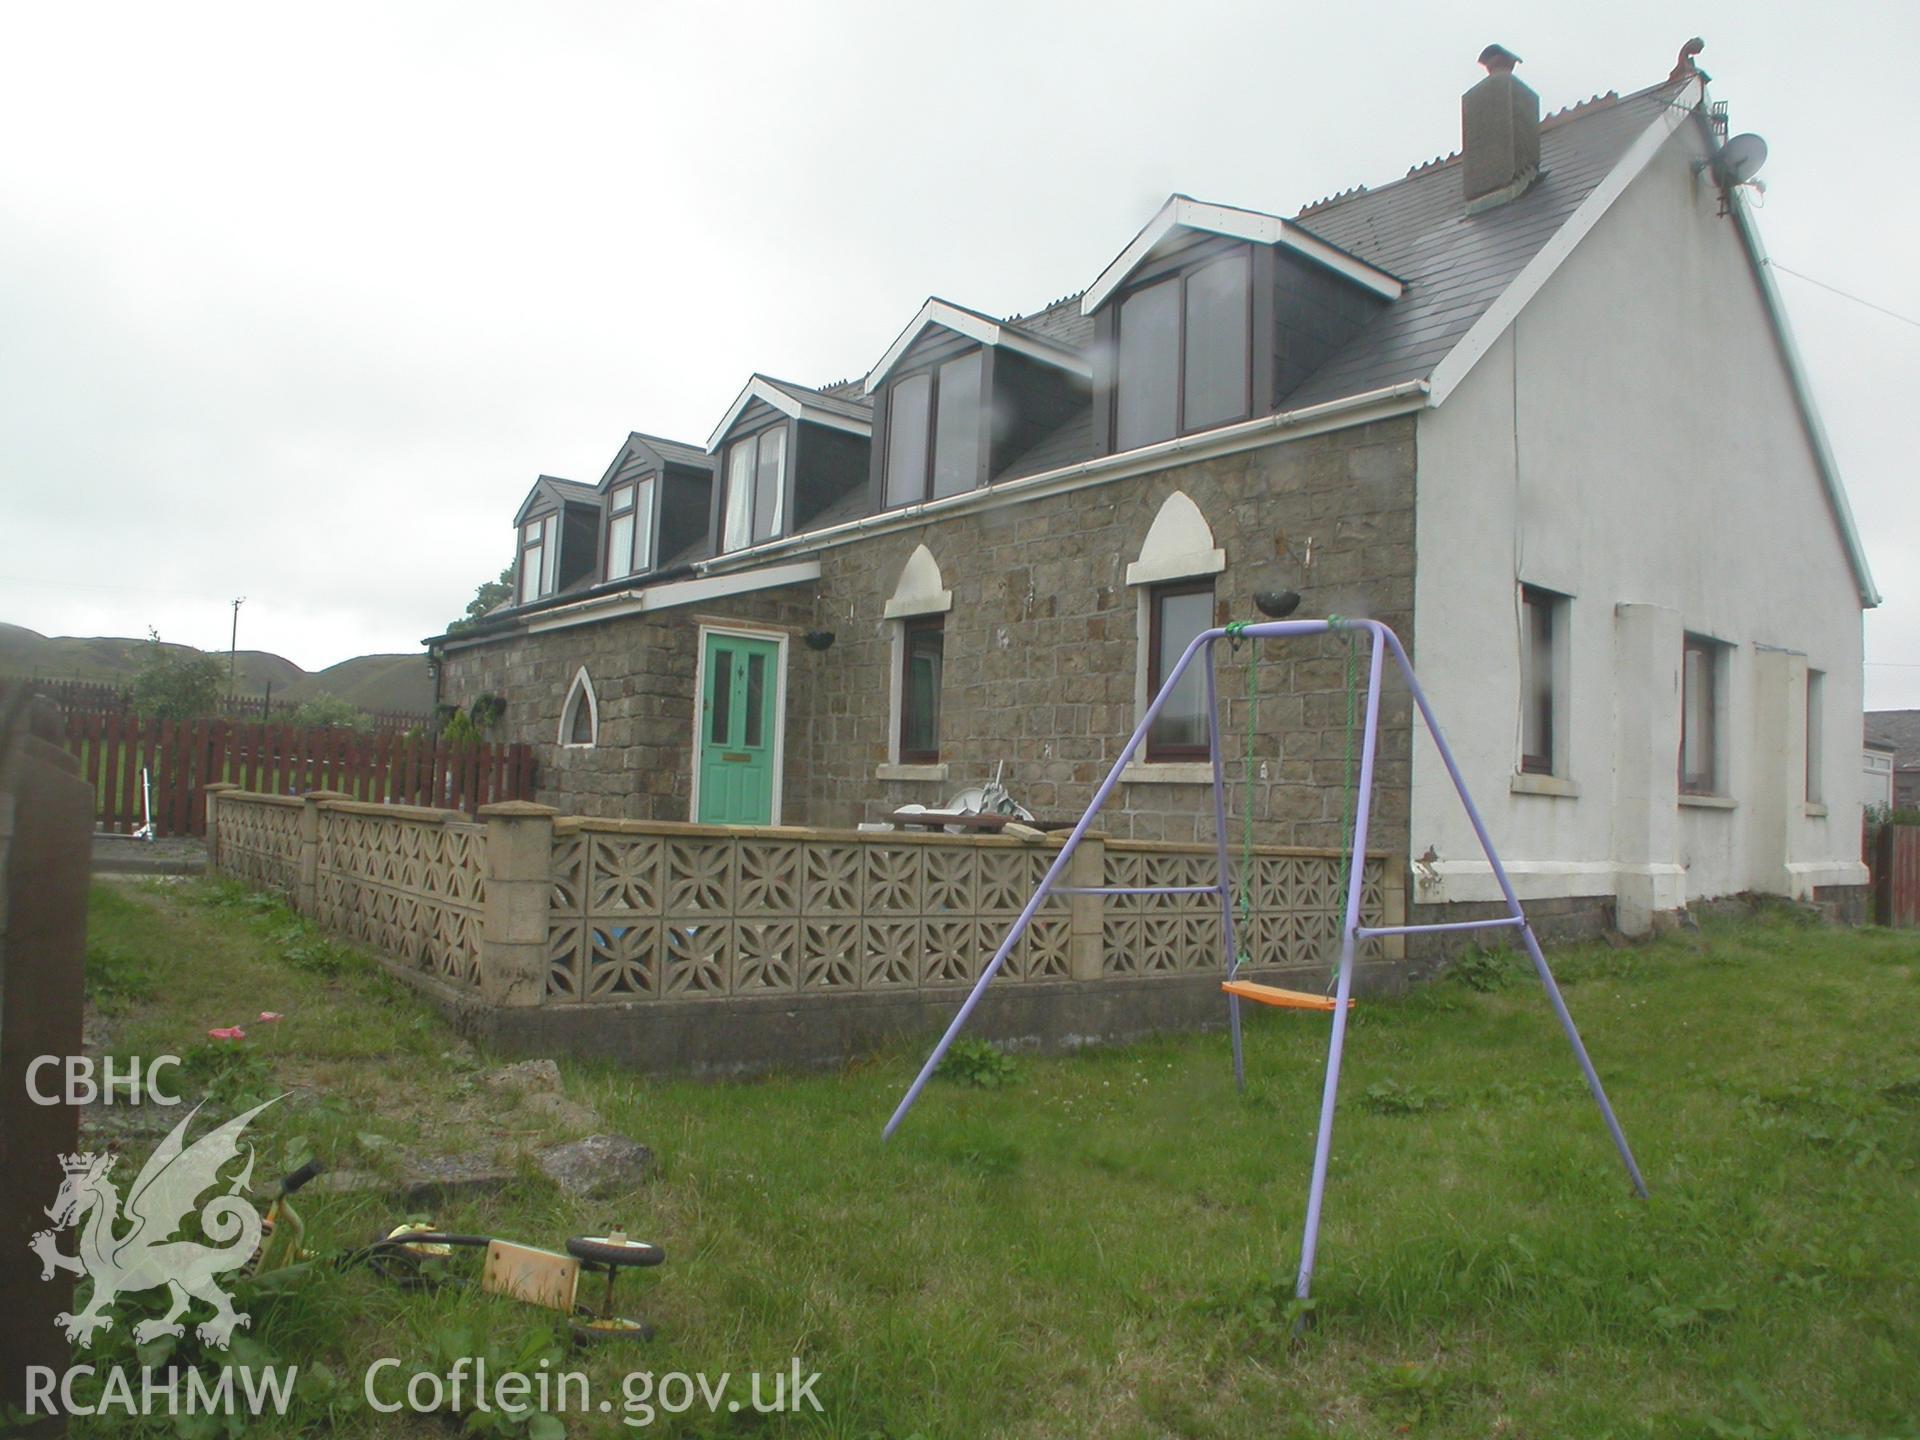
(559, 538)
(784, 455)
(1214, 315)
(959, 395)
(656, 500)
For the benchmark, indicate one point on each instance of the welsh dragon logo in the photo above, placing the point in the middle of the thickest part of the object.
(125, 1253)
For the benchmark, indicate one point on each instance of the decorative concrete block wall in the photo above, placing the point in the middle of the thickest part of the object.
(721, 949)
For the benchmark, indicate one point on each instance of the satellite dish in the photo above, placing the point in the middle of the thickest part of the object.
(1740, 159)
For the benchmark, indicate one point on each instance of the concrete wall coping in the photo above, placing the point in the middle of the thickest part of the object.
(263, 797)
(575, 824)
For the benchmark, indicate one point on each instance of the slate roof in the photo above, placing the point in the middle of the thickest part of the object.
(841, 403)
(567, 492)
(675, 453)
(1061, 322)
(1899, 729)
(1456, 265)
(1417, 228)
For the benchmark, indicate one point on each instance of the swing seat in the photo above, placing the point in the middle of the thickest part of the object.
(1282, 999)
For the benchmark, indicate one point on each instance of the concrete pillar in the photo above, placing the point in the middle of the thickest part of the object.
(1648, 877)
(1777, 778)
(211, 794)
(306, 885)
(513, 923)
(1086, 956)
(308, 876)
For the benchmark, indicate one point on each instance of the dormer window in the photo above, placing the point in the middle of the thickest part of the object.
(1214, 315)
(539, 553)
(756, 488)
(935, 431)
(1185, 359)
(788, 454)
(630, 528)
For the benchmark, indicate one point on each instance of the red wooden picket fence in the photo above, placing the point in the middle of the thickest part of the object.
(180, 757)
(1896, 875)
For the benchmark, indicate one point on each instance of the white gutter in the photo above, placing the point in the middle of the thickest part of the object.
(672, 594)
(734, 572)
(1398, 399)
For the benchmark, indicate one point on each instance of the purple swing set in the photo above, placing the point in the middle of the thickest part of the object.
(1382, 642)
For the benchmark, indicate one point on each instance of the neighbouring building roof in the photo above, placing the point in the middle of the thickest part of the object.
(1896, 730)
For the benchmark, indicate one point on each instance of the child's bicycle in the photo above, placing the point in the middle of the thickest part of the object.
(405, 1254)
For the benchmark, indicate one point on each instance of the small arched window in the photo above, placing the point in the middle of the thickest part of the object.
(1174, 578)
(580, 716)
(917, 612)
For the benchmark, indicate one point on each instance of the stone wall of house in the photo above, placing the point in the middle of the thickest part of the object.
(1042, 642)
(1041, 655)
(642, 669)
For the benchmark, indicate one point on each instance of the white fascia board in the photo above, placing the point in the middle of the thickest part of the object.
(1803, 394)
(676, 593)
(1404, 398)
(754, 389)
(760, 388)
(978, 327)
(1455, 365)
(1182, 213)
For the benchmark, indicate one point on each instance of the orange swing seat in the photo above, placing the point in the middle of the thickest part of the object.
(1283, 999)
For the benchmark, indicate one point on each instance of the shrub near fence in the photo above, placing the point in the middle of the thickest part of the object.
(182, 758)
(717, 949)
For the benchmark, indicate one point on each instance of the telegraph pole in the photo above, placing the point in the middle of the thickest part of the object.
(233, 645)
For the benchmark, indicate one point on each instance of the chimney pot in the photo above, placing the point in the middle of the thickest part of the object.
(1500, 133)
(1499, 60)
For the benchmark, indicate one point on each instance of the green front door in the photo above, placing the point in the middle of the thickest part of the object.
(738, 724)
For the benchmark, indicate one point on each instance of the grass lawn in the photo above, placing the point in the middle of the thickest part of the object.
(1104, 1245)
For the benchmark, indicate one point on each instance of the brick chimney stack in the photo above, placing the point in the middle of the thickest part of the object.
(1499, 133)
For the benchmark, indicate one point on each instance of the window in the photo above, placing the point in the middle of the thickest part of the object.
(1540, 626)
(1185, 353)
(630, 529)
(539, 553)
(933, 427)
(756, 488)
(1177, 613)
(1816, 698)
(922, 656)
(1701, 661)
(580, 716)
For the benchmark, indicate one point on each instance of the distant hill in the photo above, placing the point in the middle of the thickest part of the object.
(372, 682)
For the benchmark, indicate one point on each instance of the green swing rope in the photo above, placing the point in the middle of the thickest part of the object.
(1243, 904)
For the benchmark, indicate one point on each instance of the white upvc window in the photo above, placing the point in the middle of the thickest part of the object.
(630, 529)
(539, 554)
(756, 489)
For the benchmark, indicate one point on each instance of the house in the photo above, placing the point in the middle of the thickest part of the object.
(1877, 763)
(1535, 405)
(1894, 736)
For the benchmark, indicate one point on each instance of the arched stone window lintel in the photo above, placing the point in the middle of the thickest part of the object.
(580, 716)
(921, 590)
(1179, 545)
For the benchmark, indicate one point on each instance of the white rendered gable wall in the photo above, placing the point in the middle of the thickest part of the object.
(1633, 442)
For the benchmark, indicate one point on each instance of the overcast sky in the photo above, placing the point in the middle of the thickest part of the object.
(295, 302)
